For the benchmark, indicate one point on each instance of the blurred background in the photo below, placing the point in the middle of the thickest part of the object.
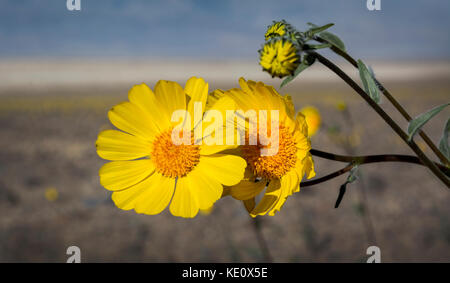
(61, 71)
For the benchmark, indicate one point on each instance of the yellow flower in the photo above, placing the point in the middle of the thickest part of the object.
(281, 172)
(279, 57)
(148, 170)
(51, 194)
(277, 29)
(313, 119)
(341, 106)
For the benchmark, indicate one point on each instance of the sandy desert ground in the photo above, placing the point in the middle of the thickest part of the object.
(50, 196)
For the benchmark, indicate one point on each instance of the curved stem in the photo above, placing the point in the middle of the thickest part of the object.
(375, 158)
(394, 102)
(327, 177)
(359, 160)
(261, 240)
(363, 159)
(423, 158)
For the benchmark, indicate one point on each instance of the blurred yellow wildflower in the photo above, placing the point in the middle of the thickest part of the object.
(341, 106)
(313, 119)
(51, 194)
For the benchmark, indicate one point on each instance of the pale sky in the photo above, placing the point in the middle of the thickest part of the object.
(403, 29)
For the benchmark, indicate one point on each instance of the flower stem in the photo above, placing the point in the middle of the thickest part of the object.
(394, 102)
(366, 159)
(328, 177)
(261, 240)
(423, 158)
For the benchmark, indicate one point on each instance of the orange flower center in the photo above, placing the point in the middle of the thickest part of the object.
(173, 160)
(274, 166)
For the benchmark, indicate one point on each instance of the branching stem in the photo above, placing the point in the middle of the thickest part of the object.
(422, 157)
(366, 159)
(391, 99)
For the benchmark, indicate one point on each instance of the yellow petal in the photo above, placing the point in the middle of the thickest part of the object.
(222, 105)
(271, 196)
(270, 98)
(292, 181)
(227, 169)
(157, 196)
(153, 194)
(244, 86)
(143, 97)
(131, 119)
(197, 89)
(247, 189)
(290, 106)
(212, 149)
(171, 95)
(248, 174)
(289, 184)
(302, 141)
(249, 204)
(214, 97)
(305, 166)
(213, 131)
(247, 86)
(244, 101)
(118, 175)
(309, 167)
(226, 191)
(301, 124)
(184, 202)
(206, 189)
(116, 145)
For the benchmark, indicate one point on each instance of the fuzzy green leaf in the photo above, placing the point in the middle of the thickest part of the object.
(317, 46)
(316, 29)
(418, 122)
(443, 143)
(341, 194)
(350, 179)
(332, 39)
(369, 83)
(353, 174)
(303, 66)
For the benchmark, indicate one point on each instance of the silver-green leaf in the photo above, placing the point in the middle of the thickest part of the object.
(332, 39)
(350, 179)
(353, 174)
(303, 66)
(315, 30)
(417, 123)
(443, 143)
(317, 46)
(368, 81)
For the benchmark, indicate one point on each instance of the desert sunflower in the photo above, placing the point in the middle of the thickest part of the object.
(279, 57)
(277, 29)
(148, 170)
(280, 174)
